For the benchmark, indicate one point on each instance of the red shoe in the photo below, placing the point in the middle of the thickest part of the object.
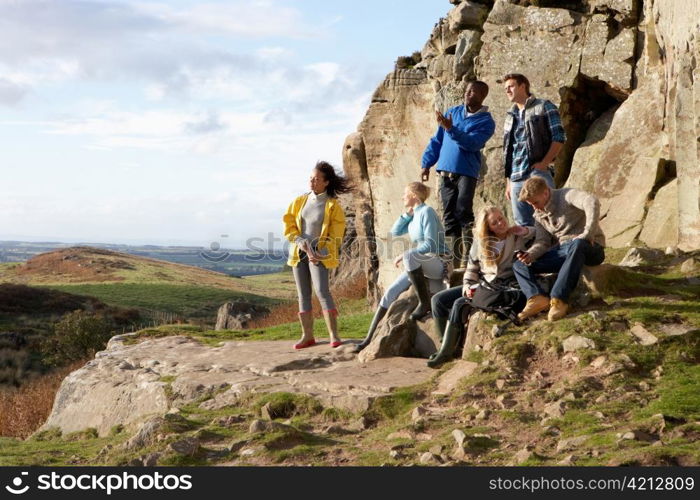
(337, 343)
(303, 345)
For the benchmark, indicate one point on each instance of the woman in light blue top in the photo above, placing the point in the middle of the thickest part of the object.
(422, 262)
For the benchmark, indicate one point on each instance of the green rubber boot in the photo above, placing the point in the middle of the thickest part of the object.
(447, 349)
(439, 325)
(420, 285)
(378, 316)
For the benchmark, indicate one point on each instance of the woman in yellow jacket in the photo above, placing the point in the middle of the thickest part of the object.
(314, 224)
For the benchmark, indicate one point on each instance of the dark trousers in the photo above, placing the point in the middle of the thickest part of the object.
(457, 193)
(450, 304)
(566, 259)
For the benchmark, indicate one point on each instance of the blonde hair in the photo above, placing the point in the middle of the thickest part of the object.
(420, 190)
(487, 249)
(532, 187)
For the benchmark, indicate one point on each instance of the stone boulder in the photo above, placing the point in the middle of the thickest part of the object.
(171, 372)
(396, 334)
(468, 46)
(467, 15)
(478, 333)
(237, 315)
(661, 223)
(577, 342)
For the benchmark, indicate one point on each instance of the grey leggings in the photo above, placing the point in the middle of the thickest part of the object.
(305, 274)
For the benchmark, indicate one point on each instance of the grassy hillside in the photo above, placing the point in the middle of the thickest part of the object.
(27, 319)
(150, 285)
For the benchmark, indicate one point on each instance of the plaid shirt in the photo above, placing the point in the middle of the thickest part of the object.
(521, 162)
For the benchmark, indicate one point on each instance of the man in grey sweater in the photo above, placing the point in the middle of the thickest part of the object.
(567, 237)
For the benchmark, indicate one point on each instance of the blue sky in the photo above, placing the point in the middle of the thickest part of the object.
(176, 122)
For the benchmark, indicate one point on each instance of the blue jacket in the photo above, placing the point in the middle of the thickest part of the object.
(459, 149)
(424, 228)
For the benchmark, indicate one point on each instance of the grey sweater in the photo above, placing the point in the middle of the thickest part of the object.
(568, 214)
(312, 215)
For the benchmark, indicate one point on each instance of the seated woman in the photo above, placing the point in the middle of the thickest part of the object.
(423, 226)
(490, 262)
(314, 224)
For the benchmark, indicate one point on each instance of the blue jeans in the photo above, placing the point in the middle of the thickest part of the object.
(566, 259)
(522, 212)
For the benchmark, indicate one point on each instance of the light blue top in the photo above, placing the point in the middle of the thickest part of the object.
(424, 228)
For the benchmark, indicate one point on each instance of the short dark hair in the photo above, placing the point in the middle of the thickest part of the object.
(336, 184)
(520, 80)
(483, 86)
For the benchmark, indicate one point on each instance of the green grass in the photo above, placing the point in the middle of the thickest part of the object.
(678, 393)
(53, 452)
(351, 326)
(184, 300)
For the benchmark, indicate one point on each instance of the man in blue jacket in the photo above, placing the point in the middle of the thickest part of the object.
(456, 148)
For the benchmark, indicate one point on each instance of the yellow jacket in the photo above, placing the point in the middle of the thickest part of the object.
(332, 230)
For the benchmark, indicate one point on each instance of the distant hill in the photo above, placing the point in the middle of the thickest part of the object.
(96, 265)
(88, 265)
(232, 262)
(162, 291)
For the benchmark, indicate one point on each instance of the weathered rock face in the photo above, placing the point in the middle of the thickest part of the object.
(624, 170)
(625, 76)
(393, 134)
(237, 315)
(126, 383)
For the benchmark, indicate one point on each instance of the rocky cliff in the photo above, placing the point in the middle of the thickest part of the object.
(625, 76)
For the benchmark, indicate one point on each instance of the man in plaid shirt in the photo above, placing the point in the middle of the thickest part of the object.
(532, 137)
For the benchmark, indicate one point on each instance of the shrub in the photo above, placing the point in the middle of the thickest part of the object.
(24, 409)
(76, 336)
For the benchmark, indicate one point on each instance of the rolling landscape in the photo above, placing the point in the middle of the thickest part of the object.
(209, 121)
(536, 416)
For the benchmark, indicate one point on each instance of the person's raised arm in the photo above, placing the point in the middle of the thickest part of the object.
(476, 138)
(432, 153)
(400, 227)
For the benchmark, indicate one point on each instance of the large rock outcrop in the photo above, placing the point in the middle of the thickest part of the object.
(126, 383)
(625, 76)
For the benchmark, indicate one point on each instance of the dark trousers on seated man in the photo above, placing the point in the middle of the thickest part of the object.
(566, 259)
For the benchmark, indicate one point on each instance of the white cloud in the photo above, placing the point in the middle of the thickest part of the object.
(257, 18)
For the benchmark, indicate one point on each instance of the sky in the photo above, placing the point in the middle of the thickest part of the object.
(183, 122)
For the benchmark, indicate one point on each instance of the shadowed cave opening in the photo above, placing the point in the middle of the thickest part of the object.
(581, 105)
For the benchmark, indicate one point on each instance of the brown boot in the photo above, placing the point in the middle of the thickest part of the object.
(534, 306)
(307, 327)
(557, 309)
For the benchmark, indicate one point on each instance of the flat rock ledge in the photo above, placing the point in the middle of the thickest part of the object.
(126, 383)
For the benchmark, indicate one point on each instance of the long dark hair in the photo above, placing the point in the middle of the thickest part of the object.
(336, 184)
